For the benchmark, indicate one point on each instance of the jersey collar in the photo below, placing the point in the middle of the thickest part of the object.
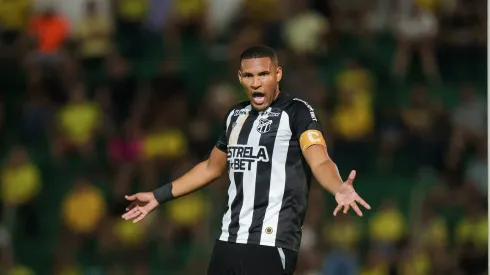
(281, 98)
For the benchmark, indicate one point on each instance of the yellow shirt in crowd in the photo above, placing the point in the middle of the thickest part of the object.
(20, 184)
(132, 10)
(92, 33)
(436, 233)
(428, 4)
(380, 269)
(303, 33)
(387, 226)
(355, 121)
(78, 121)
(418, 119)
(21, 270)
(170, 143)
(475, 231)
(261, 9)
(129, 233)
(83, 209)
(358, 80)
(345, 234)
(189, 8)
(418, 264)
(14, 14)
(188, 210)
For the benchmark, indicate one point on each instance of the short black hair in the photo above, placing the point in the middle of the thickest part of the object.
(259, 51)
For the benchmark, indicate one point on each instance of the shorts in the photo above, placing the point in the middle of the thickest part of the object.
(251, 259)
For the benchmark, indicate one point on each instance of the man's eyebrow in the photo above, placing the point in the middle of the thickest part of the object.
(259, 73)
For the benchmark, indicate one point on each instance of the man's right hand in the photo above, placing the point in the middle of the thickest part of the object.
(142, 204)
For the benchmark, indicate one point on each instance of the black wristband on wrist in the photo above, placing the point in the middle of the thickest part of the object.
(163, 193)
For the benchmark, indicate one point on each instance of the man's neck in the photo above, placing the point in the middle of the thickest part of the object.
(277, 92)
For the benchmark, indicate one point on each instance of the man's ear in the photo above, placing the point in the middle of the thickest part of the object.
(239, 73)
(279, 74)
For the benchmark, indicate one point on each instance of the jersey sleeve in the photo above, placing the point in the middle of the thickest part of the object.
(222, 143)
(305, 125)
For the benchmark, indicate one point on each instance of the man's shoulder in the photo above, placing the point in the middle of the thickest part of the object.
(300, 109)
(300, 103)
(297, 105)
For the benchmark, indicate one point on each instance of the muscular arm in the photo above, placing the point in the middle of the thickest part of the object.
(314, 147)
(323, 168)
(201, 175)
(327, 174)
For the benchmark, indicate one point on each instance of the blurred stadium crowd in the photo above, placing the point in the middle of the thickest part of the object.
(103, 98)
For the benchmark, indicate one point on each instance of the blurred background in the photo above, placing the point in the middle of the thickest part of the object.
(102, 98)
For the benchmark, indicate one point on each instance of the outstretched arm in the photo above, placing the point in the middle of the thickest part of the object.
(198, 177)
(323, 168)
(327, 174)
(308, 131)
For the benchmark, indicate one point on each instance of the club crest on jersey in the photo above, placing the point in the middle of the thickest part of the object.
(264, 125)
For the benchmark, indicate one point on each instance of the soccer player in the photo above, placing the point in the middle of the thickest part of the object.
(270, 146)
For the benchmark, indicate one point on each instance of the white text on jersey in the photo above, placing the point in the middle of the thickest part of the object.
(241, 157)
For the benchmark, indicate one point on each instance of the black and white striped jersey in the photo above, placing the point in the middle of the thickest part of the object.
(268, 175)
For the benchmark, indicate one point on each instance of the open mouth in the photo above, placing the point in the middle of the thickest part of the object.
(258, 98)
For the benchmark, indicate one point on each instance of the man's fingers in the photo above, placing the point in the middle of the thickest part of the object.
(356, 208)
(131, 206)
(131, 213)
(131, 197)
(143, 210)
(337, 209)
(346, 208)
(363, 203)
(351, 177)
(140, 217)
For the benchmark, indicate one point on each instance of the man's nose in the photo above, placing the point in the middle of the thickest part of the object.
(256, 83)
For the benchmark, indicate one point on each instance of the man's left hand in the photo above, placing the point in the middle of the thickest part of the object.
(347, 197)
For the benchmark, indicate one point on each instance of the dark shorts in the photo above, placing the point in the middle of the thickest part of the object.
(250, 259)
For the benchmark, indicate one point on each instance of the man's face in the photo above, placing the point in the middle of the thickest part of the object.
(259, 77)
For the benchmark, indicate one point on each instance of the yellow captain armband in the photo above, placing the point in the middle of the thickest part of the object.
(311, 137)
